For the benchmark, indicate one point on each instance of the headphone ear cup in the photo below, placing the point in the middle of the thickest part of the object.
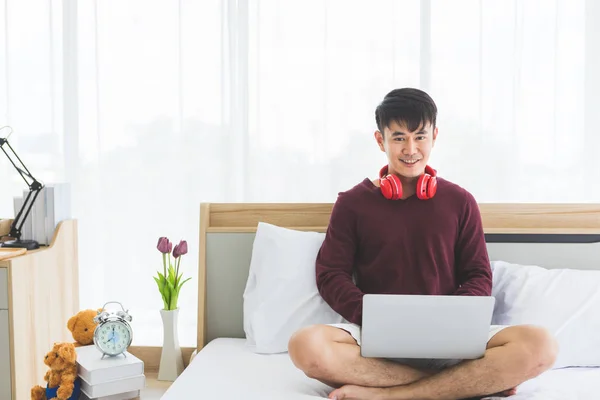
(391, 187)
(432, 187)
(422, 186)
(386, 188)
(426, 186)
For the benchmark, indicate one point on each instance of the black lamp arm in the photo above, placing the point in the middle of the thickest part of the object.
(34, 189)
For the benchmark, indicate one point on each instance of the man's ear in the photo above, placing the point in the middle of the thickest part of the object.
(379, 138)
(435, 133)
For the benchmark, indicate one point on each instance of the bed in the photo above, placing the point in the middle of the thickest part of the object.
(553, 236)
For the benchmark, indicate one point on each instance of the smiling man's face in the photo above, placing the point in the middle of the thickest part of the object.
(408, 152)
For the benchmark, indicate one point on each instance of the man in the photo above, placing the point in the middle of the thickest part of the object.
(409, 245)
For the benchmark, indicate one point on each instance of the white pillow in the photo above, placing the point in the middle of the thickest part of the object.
(565, 301)
(281, 294)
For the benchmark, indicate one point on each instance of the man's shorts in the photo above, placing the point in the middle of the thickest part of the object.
(420, 363)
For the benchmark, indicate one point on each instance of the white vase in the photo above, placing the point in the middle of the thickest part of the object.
(171, 360)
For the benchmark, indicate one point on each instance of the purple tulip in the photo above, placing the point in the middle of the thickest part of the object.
(164, 246)
(180, 249)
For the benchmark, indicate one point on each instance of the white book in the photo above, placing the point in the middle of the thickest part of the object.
(50, 224)
(112, 388)
(96, 370)
(38, 218)
(58, 206)
(121, 396)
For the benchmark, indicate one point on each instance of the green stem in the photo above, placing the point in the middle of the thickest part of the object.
(172, 294)
(177, 271)
(164, 264)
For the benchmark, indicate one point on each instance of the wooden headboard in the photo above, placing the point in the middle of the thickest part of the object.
(232, 222)
(497, 218)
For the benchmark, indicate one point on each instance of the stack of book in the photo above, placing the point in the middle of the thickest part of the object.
(109, 378)
(52, 205)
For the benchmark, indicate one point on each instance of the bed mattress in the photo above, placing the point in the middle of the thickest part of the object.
(227, 369)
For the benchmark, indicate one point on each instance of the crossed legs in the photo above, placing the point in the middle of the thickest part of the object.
(514, 355)
(332, 356)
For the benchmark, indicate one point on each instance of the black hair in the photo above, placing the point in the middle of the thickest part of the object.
(410, 106)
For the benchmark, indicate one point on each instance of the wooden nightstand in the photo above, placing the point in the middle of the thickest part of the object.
(39, 292)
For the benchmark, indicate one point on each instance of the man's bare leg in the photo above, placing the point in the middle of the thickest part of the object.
(332, 356)
(514, 355)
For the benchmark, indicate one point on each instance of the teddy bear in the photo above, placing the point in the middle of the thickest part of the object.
(82, 327)
(63, 383)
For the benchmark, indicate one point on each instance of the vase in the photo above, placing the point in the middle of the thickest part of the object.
(171, 359)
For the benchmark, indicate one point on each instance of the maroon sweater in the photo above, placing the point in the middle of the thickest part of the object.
(412, 246)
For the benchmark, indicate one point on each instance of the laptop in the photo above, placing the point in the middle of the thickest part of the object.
(425, 326)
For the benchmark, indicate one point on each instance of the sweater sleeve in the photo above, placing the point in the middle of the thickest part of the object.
(472, 261)
(335, 264)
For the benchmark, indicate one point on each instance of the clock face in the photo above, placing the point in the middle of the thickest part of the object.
(113, 337)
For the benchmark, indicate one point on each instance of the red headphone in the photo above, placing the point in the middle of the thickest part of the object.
(391, 187)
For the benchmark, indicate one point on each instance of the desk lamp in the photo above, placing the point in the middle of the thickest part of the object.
(34, 189)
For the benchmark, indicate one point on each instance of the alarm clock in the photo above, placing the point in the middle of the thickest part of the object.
(113, 334)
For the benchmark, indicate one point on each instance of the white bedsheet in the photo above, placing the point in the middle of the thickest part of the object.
(226, 369)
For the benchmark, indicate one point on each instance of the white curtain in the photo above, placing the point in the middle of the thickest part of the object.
(150, 107)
